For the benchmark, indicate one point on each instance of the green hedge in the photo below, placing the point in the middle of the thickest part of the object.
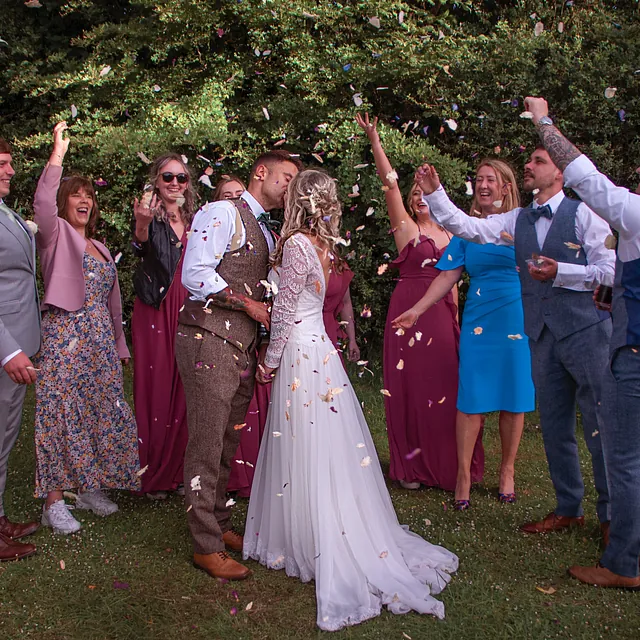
(195, 76)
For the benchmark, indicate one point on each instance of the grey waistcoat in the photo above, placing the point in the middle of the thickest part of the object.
(562, 310)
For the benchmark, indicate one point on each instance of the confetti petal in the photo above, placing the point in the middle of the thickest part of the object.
(610, 92)
(538, 29)
(477, 331)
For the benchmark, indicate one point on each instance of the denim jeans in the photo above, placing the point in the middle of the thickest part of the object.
(621, 444)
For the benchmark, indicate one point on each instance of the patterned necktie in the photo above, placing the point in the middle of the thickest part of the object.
(271, 224)
(544, 211)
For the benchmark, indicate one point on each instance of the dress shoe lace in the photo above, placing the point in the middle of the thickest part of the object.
(224, 556)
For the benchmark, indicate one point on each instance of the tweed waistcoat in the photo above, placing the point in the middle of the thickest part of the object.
(242, 270)
(562, 310)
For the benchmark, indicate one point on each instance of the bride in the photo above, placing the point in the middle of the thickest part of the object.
(319, 506)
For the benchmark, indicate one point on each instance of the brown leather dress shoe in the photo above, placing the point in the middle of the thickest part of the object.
(12, 550)
(604, 532)
(601, 576)
(552, 522)
(15, 530)
(221, 565)
(232, 540)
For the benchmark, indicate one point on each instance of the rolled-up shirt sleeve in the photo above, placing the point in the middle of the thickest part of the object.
(211, 231)
(591, 233)
(495, 229)
(617, 205)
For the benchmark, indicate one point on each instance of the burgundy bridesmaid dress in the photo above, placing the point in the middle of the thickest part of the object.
(421, 376)
(161, 410)
(242, 466)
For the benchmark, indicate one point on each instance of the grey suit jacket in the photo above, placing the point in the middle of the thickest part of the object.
(19, 305)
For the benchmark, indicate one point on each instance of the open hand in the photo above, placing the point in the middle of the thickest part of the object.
(370, 128)
(405, 320)
(543, 269)
(427, 179)
(144, 210)
(537, 106)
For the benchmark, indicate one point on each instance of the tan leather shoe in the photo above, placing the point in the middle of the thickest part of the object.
(15, 530)
(552, 522)
(12, 550)
(232, 540)
(602, 577)
(221, 565)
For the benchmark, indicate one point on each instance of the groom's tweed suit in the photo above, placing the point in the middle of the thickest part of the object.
(215, 351)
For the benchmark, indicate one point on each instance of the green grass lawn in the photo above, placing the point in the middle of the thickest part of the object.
(130, 575)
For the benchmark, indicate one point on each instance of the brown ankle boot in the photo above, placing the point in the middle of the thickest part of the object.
(220, 565)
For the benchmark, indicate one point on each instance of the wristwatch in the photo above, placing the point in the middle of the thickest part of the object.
(545, 120)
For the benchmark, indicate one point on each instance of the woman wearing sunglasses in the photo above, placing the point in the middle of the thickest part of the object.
(162, 219)
(85, 432)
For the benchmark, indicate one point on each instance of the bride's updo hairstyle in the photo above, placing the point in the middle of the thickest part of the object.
(311, 207)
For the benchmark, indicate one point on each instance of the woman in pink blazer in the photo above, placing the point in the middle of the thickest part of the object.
(85, 432)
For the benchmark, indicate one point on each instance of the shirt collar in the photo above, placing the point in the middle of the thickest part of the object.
(553, 202)
(254, 205)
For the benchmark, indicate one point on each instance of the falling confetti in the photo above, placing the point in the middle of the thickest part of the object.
(195, 484)
(477, 331)
(74, 111)
(357, 99)
(266, 113)
(400, 365)
(230, 502)
(366, 461)
(32, 4)
(610, 92)
(549, 591)
(419, 336)
(384, 392)
(104, 71)
(384, 554)
(375, 22)
(62, 564)
(366, 312)
(413, 454)
(382, 268)
(143, 157)
(142, 471)
(526, 115)
(538, 29)
(442, 400)
(469, 186)
(392, 176)
(452, 124)
(249, 607)
(515, 336)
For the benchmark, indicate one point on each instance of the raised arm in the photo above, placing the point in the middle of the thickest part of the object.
(405, 229)
(497, 229)
(44, 203)
(617, 205)
(293, 278)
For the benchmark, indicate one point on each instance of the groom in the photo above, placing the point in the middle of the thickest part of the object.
(226, 257)
(19, 340)
(561, 256)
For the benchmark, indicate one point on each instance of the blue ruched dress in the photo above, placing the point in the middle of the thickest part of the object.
(495, 361)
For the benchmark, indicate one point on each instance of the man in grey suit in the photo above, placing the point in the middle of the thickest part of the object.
(19, 340)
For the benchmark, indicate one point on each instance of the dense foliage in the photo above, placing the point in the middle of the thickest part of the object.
(220, 80)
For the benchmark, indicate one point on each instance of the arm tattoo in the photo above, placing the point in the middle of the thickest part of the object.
(226, 299)
(562, 152)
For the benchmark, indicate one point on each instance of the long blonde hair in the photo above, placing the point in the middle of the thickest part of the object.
(311, 207)
(505, 175)
(188, 209)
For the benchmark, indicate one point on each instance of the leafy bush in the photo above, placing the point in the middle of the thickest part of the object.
(224, 80)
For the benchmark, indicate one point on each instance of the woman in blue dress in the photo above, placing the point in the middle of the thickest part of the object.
(495, 362)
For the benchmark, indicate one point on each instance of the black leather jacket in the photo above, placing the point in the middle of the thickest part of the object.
(159, 257)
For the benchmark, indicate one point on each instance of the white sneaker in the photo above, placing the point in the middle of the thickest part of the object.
(97, 502)
(59, 518)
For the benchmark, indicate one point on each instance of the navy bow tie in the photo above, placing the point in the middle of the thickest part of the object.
(271, 224)
(541, 212)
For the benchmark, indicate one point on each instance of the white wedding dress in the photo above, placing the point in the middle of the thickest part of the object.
(319, 505)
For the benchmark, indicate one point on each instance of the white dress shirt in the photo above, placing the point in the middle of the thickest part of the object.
(591, 232)
(617, 205)
(212, 228)
(11, 215)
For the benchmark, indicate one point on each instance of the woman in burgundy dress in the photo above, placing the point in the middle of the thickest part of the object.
(162, 219)
(420, 366)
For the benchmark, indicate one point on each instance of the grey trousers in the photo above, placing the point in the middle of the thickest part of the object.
(218, 384)
(11, 400)
(565, 372)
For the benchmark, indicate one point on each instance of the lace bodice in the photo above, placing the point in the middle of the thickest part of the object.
(297, 307)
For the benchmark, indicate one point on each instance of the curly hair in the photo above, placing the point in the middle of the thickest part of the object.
(188, 209)
(505, 175)
(311, 207)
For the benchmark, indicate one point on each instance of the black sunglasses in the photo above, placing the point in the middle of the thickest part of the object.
(182, 178)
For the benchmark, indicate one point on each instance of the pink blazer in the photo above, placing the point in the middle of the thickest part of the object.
(61, 250)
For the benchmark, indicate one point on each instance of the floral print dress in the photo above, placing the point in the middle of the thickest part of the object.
(85, 432)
